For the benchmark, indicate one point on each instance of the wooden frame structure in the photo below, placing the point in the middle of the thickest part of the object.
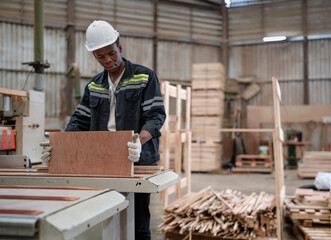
(177, 137)
(278, 139)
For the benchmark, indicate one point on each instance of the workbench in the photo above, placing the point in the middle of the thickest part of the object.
(138, 183)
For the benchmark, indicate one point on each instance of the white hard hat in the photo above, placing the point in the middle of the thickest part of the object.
(100, 34)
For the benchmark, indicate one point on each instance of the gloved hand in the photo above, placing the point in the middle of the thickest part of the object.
(134, 148)
(46, 153)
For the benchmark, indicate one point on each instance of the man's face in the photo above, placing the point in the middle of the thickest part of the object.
(110, 57)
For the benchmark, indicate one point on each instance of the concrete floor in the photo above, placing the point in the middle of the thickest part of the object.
(244, 182)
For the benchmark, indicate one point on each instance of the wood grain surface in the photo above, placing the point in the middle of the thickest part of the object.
(101, 152)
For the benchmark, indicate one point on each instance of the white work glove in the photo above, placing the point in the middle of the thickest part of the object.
(134, 148)
(46, 153)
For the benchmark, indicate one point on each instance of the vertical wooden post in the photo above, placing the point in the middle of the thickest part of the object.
(188, 140)
(165, 146)
(178, 158)
(278, 138)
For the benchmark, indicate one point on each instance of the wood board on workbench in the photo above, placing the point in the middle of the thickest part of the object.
(93, 152)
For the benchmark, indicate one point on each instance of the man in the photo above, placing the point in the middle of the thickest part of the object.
(125, 96)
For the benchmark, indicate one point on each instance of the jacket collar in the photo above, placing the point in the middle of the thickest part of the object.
(103, 76)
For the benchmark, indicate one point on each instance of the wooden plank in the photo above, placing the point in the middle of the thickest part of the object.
(91, 153)
(13, 92)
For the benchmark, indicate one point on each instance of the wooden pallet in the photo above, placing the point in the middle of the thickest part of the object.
(251, 170)
(299, 211)
(253, 163)
(317, 233)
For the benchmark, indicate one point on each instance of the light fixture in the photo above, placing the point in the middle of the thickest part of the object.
(274, 39)
(228, 2)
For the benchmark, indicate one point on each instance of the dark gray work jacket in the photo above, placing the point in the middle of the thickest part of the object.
(139, 106)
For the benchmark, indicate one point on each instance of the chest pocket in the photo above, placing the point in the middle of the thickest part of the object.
(94, 101)
(132, 95)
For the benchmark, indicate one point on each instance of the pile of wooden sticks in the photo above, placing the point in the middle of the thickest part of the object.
(227, 214)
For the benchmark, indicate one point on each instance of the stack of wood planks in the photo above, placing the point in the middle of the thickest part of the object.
(314, 162)
(208, 81)
(227, 214)
(310, 211)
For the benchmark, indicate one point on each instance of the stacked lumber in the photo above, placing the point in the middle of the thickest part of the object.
(208, 81)
(314, 162)
(206, 156)
(226, 214)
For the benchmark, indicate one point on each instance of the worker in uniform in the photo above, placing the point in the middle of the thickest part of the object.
(125, 96)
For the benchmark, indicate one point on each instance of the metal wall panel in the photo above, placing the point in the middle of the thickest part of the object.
(285, 61)
(319, 16)
(245, 23)
(17, 46)
(319, 52)
(182, 22)
(282, 60)
(175, 59)
(320, 92)
(55, 11)
(134, 16)
(282, 18)
(292, 94)
(274, 18)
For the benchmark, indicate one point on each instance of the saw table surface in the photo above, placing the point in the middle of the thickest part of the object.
(138, 183)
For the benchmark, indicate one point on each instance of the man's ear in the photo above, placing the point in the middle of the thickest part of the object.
(119, 47)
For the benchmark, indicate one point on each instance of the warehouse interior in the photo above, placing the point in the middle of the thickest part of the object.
(245, 150)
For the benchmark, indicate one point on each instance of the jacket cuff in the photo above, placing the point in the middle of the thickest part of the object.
(154, 131)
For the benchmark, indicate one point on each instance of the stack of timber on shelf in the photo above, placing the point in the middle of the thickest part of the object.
(310, 211)
(253, 163)
(220, 215)
(314, 162)
(208, 81)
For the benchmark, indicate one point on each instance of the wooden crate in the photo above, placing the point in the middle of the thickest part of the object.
(206, 156)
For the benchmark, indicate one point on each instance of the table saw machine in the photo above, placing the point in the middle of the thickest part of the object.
(145, 180)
